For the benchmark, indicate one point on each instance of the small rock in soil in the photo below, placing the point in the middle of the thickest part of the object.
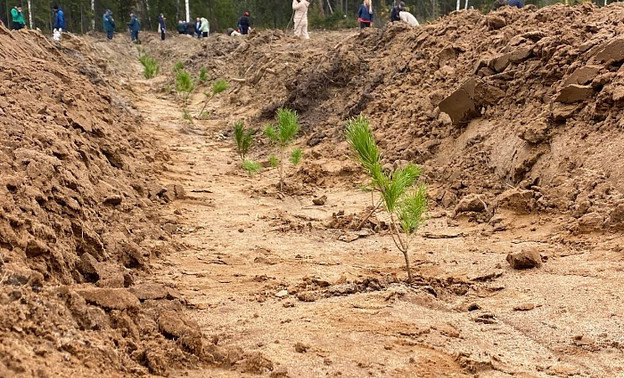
(470, 203)
(524, 260)
(113, 200)
(307, 296)
(320, 201)
(524, 307)
(281, 293)
(301, 348)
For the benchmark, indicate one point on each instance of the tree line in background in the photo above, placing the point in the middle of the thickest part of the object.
(83, 15)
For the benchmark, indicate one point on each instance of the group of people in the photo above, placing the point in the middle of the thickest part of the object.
(199, 28)
(134, 25)
(365, 15)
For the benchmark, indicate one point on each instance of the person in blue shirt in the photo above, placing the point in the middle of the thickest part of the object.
(134, 26)
(109, 24)
(516, 3)
(162, 26)
(59, 19)
(365, 14)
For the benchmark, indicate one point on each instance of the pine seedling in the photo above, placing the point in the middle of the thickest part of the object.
(273, 161)
(184, 84)
(251, 167)
(282, 136)
(187, 116)
(243, 138)
(203, 75)
(217, 87)
(179, 66)
(405, 202)
(296, 156)
(150, 66)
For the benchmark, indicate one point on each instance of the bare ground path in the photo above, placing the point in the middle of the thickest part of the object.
(265, 273)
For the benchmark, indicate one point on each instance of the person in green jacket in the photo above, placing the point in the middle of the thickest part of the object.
(18, 18)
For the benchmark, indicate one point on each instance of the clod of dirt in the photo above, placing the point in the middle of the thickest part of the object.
(319, 201)
(172, 324)
(525, 259)
(470, 203)
(518, 200)
(524, 307)
(301, 348)
(152, 291)
(110, 299)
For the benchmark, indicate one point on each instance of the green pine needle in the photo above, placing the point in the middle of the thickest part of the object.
(296, 156)
(243, 138)
(273, 161)
(251, 167)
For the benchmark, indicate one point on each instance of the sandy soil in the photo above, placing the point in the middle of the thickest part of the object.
(231, 277)
(346, 309)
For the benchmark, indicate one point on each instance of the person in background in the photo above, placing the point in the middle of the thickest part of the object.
(398, 7)
(134, 26)
(204, 27)
(181, 28)
(365, 14)
(408, 18)
(190, 28)
(516, 3)
(499, 4)
(162, 26)
(109, 24)
(59, 19)
(18, 18)
(197, 27)
(244, 24)
(301, 18)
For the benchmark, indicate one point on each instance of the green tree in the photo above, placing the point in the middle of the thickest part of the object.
(405, 202)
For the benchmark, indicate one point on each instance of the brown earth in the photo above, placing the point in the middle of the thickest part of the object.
(172, 261)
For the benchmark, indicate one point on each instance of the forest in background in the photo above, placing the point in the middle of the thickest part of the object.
(82, 15)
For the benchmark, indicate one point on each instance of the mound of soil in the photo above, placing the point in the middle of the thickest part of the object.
(522, 107)
(78, 226)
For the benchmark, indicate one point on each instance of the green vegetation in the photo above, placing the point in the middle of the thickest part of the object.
(150, 66)
(282, 137)
(405, 202)
(296, 156)
(243, 138)
(179, 66)
(244, 141)
(251, 167)
(219, 86)
(187, 116)
(184, 84)
(273, 161)
(203, 75)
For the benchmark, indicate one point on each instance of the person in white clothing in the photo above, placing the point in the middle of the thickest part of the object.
(408, 18)
(301, 18)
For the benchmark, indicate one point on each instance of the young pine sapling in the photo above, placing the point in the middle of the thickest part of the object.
(405, 202)
(244, 141)
(150, 66)
(217, 87)
(184, 84)
(282, 136)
